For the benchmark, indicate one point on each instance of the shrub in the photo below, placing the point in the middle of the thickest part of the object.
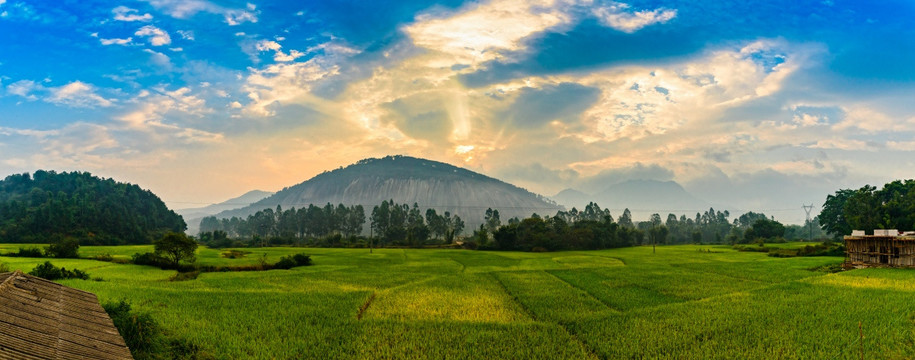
(145, 337)
(302, 259)
(289, 262)
(63, 247)
(50, 272)
(148, 258)
(140, 331)
(28, 252)
(4, 268)
(286, 262)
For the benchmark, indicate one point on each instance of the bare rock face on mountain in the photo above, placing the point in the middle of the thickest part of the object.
(430, 184)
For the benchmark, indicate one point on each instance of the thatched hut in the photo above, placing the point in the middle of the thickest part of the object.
(41, 319)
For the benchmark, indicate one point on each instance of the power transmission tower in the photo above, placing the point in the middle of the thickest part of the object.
(807, 209)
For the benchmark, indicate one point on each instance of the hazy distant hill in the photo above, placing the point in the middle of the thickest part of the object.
(642, 197)
(193, 215)
(404, 179)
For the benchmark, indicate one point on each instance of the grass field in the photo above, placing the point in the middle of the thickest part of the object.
(681, 302)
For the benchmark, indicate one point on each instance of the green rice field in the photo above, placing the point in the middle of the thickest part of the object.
(682, 302)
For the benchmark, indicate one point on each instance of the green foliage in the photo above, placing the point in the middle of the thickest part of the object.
(32, 252)
(4, 268)
(63, 247)
(764, 229)
(90, 209)
(176, 247)
(291, 261)
(146, 338)
(148, 258)
(554, 233)
(867, 208)
(48, 271)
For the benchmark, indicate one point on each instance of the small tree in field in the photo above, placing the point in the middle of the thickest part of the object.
(175, 247)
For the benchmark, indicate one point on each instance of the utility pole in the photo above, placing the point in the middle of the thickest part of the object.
(807, 209)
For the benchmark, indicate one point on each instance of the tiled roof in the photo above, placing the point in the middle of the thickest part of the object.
(41, 319)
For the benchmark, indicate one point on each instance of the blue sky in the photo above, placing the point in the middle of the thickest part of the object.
(759, 106)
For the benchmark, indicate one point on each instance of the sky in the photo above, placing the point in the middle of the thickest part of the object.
(761, 106)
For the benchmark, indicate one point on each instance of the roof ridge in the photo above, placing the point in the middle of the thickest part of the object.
(10, 280)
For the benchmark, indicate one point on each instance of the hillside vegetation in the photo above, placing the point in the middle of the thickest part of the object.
(683, 302)
(47, 206)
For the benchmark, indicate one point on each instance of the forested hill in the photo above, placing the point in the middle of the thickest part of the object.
(408, 180)
(49, 205)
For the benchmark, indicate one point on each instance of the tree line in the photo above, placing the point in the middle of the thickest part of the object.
(48, 206)
(391, 224)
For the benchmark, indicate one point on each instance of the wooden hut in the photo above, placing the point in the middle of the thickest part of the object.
(884, 248)
(41, 319)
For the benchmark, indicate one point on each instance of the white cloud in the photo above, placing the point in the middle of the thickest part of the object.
(116, 41)
(183, 9)
(483, 32)
(157, 37)
(23, 88)
(867, 120)
(279, 55)
(159, 59)
(123, 13)
(186, 34)
(77, 94)
(160, 114)
(618, 16)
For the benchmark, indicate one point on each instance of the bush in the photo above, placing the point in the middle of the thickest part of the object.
(50, 272)
(289, 262)
(4, 268)
(302, 259)
(145, 337)
(286, 262)
(140, 331)
(469, 245)
(28, 252)
(63, 247)
(148, 258)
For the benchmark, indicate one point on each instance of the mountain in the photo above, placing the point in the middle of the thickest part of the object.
(193, 215)
(641, 197)
(573, 198)
(404, 179)
(95, 211)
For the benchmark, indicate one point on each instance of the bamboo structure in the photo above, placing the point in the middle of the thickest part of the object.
(880, 250)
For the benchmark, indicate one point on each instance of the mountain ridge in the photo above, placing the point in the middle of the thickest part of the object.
(405, 179)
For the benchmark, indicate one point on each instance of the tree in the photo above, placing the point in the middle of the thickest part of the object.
(175, 247)
(63, 247)
(492, 220)
(764, 229)
(625, 220)
(832, 216)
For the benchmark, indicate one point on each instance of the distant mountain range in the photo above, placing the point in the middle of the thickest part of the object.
(641, 197)
(404, 179)
(194, 215)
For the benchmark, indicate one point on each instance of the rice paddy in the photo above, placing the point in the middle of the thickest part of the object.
(680, 302)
